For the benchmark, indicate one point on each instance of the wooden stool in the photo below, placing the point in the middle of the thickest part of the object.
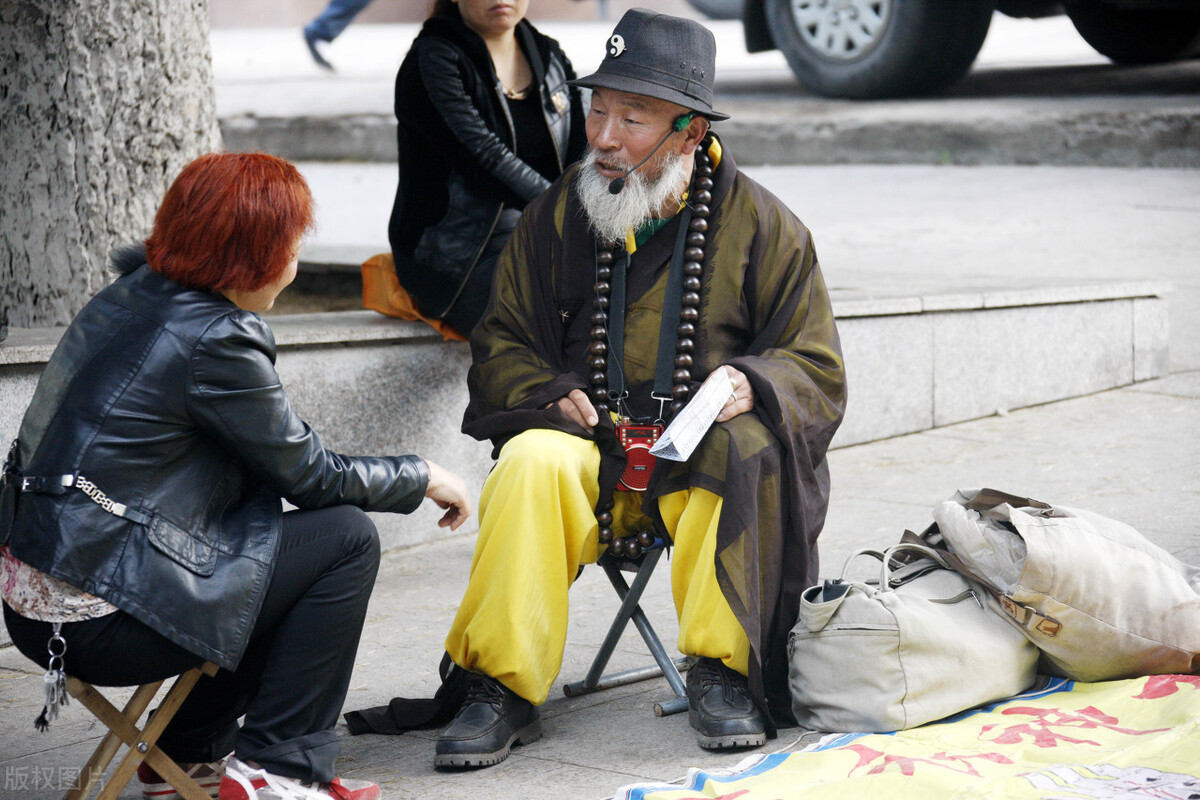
(122, 727)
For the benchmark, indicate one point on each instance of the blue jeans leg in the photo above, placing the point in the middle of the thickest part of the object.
(330, 23)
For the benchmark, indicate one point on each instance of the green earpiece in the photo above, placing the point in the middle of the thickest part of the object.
(683, 120)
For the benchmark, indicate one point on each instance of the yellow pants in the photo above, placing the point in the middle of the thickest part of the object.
(536, 526)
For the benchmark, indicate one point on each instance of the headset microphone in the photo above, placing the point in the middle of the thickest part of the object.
(682, 121)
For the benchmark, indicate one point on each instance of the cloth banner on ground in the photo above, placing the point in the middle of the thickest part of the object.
(1129, 739)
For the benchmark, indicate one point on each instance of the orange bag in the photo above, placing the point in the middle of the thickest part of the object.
(382, 292)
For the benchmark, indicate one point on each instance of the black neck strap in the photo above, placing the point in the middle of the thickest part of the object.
(672, 304)
(616, 330)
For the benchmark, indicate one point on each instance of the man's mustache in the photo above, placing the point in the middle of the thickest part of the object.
(609, 164)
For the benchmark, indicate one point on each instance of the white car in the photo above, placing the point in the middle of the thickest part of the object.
(866, 49)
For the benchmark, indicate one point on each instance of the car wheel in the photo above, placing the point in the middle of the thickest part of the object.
(718, 9)
(865, 49)
(1137, 36)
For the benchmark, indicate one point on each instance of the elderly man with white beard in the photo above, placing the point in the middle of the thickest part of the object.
(647, 266)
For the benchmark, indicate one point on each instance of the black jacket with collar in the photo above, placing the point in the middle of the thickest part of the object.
(165, 399)
(460, 180)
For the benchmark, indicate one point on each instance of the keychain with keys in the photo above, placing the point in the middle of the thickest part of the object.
(55, 680)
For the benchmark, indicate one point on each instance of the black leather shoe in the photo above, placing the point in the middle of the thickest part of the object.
(492, 719)
(720, 707)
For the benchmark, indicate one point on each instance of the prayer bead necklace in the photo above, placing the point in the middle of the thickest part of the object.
(685, 343)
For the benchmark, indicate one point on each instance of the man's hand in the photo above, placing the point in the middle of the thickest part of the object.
(450, 492)
(741, 398)
(579, 408)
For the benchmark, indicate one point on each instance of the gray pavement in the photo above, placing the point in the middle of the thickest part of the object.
(1037, 94)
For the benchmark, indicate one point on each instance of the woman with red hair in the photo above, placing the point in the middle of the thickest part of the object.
(148, 532)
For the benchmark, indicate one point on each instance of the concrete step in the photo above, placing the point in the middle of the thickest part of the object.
(1106, 132)
(889, 231)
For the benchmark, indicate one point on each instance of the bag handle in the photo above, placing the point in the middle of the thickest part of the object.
(889, 555)
(1026, 616)
(950, 560)
(886, 557)
(865, 551)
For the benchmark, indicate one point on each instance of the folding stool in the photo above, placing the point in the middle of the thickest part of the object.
(643, 568)
(122, 728)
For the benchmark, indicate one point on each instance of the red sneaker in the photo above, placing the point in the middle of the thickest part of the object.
(207, 777)
(243, 782)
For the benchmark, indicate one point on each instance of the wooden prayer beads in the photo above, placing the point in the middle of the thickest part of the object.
(685, 343)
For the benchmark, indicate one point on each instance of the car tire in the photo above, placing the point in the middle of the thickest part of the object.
(1137, 36)
(917, 46)
(718, 9)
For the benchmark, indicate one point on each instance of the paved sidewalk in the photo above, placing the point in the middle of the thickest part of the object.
(1036, 94)
(1132, 453)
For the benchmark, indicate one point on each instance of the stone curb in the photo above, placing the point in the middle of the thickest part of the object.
(1168, 138)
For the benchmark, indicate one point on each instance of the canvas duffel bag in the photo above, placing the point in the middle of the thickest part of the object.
(1098, 599)
(915, 647)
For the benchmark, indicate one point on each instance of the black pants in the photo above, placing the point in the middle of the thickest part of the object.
(294, 675)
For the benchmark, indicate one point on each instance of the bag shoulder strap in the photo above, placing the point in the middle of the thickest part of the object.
(990, 498)
(1026, 616)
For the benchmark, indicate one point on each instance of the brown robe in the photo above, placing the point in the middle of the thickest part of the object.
(764, 310)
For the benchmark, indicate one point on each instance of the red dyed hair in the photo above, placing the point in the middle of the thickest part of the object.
(230, 221)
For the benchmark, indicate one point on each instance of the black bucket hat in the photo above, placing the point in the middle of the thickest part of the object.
(657, 55)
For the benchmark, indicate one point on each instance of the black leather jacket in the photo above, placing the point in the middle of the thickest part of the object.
(164, 401)
(460, 180)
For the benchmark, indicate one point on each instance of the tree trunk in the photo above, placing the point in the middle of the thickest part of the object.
(102, 103)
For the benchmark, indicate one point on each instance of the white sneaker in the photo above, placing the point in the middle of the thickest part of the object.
(243, 782)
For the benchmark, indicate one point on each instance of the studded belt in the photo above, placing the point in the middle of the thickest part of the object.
(59, 484)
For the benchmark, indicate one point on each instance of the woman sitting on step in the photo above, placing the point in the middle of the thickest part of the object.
(486, 121)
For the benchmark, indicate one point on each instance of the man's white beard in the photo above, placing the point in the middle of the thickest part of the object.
(611, 215)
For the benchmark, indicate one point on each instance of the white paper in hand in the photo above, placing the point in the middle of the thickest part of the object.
(689, 426)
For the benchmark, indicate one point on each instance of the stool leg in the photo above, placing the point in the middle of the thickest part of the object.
(630, 609)
(118, 724)
(122, 727)
(144, 743)
(170, 772)
(670, 669)
(630, 596)
(188, 789)
(95, 767)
